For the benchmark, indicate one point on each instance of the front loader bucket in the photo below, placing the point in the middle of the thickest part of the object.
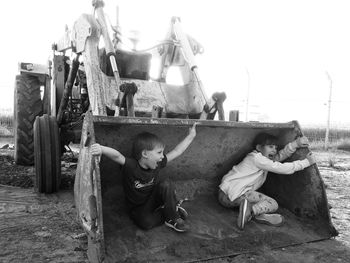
(197, 173)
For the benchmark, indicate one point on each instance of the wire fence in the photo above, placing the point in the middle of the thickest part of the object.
(337, 131)
(319, 134)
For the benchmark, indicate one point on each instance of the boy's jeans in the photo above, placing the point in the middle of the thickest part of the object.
(151, 213)
(261, 204)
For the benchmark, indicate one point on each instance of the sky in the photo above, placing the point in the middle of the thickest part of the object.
(280, 56)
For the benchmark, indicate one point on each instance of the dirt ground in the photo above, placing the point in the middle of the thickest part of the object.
(43, 228)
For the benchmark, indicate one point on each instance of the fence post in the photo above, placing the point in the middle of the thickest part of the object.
(326, 140)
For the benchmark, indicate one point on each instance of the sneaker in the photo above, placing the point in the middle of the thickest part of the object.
(182, 212)
(270, 219)
(245, 213)
(178, 225)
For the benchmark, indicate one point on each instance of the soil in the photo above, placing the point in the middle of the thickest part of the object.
(37, 227)
(43, 228)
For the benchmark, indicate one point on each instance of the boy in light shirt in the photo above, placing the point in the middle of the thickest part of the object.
(239, 186)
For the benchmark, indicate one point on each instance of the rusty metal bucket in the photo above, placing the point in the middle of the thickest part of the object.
(197, 173)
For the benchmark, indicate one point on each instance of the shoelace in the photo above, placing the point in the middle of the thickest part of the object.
(180, 202)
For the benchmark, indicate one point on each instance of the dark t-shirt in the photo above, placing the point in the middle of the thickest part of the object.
(138, 182)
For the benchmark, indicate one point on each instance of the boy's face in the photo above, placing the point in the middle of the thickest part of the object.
(153, 157)
(268, 151)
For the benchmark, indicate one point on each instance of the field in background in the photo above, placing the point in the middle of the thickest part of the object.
(6, 122)
(337, 138)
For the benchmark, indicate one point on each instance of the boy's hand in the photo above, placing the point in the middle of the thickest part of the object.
(311, 158)
(302, 141)
(192, 131)
(96, 149)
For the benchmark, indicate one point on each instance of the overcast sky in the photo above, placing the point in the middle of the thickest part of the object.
(282, 50)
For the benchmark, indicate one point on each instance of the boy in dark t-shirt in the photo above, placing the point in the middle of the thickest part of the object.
(150, 199)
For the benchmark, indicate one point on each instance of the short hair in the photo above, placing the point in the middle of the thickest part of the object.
(145, 141)
(265, 139)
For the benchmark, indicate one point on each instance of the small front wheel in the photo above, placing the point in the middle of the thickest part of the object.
(47, 154)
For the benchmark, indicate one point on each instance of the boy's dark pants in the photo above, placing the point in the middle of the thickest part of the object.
(149, 215)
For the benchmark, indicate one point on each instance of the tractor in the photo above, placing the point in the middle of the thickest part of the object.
(90, 93)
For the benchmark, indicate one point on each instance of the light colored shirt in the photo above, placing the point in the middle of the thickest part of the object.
(250, 174)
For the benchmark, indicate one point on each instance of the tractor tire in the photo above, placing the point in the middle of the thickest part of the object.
(47, 155)
(27, 105)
